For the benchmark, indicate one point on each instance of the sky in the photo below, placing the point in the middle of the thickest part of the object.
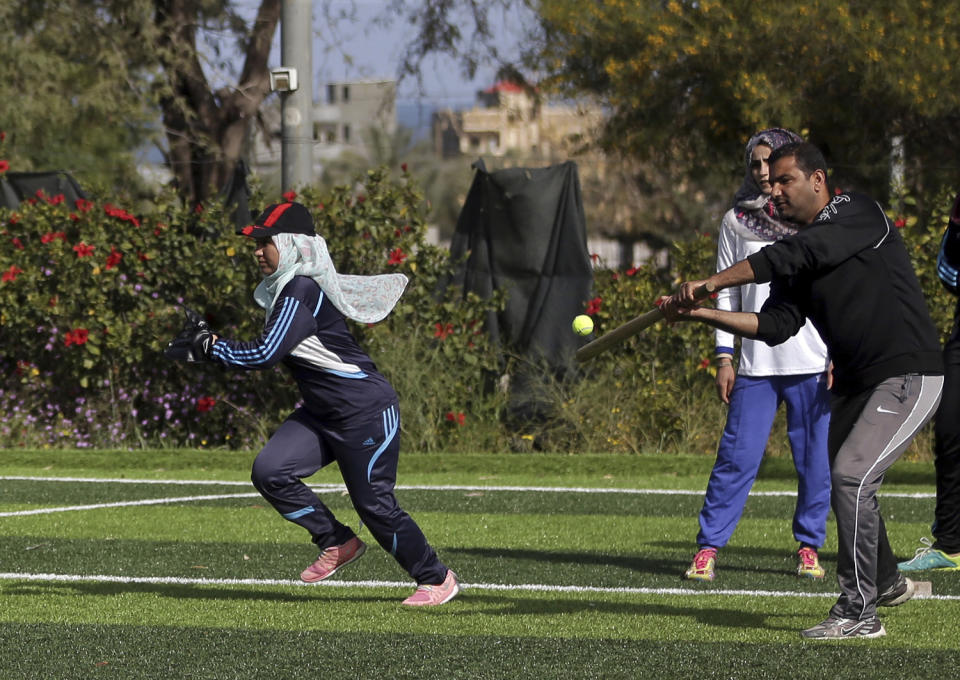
(356, 46)
(351, 44)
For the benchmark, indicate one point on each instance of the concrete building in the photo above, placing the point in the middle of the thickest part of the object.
(341, 123)
(508, 118)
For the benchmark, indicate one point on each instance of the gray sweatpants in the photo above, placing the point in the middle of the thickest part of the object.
(868, 433)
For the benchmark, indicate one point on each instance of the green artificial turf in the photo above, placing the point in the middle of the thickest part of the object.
(558, 584)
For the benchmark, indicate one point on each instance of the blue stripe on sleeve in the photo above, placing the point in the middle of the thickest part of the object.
(265, 351)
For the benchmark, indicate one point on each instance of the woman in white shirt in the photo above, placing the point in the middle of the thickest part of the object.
(795, 372)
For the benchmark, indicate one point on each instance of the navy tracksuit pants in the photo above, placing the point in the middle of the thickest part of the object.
(367, 452)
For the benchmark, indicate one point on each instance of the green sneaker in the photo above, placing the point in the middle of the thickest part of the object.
(928, 557)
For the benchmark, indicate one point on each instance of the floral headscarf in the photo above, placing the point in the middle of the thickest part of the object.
(754, 210)
(366, 299)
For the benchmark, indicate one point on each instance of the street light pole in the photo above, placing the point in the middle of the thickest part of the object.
(296, 54)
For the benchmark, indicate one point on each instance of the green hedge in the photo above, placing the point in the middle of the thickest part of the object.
(90, 294)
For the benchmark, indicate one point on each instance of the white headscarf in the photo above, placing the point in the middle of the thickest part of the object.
(366, 299)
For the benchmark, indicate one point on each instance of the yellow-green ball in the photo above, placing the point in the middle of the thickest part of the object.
(583, 325)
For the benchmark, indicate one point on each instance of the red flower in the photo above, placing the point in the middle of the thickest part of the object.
(290, 196)
(4, 166)
(17, 243)
(120, 214)
(615, 276)
(459, 418)
(631, 271)
(403, 166)
(205, 404)
(77, 336)
(704, 363)
(83, 205)
(594, 257)
(83, 250)
(593, 306)
(113, 259)
(397, 256)
(900, 223)
(51, 236)
(198, 208)
(12, 273)
(56, 200)
(361, 198)
(443, 331)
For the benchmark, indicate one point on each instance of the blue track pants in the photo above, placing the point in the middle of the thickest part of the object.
(753, 405)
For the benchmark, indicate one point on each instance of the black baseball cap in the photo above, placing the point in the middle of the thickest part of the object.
(281, 218)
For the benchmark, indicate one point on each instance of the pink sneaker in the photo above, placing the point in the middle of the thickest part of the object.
(332, 558)
(430, 596)
(808, 563)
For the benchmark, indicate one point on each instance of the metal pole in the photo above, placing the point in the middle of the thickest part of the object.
(296, 43)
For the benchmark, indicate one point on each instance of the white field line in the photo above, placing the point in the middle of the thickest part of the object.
(436, 487)
(127, 504)
(527, 587)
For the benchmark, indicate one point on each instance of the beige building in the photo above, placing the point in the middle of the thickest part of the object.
(509, 118)
(341, 122)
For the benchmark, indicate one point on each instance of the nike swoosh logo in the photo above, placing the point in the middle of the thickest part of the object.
(880, 409)
(854, 629)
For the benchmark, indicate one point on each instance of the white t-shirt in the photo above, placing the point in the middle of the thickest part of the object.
(801, 354)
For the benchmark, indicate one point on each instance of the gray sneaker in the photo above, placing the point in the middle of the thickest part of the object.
(901, 591)
(836, 628)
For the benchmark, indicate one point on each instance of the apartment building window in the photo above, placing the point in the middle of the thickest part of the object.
(331, 94)
(346, 133)
(346, 93)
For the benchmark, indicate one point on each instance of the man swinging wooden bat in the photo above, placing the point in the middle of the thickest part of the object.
(848, 271)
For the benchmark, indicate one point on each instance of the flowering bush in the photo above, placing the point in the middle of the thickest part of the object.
(91, 293)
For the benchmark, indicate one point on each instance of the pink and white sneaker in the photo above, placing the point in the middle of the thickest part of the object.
(332, 558)
(431, 595)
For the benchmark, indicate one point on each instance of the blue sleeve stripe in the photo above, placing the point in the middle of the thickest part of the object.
(319, 303)
(271, 343)
(391, 425)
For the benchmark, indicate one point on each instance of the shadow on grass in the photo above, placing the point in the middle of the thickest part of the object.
(745, 561)
(636, 563)
(474, 603)
(181, 592)
(554, 604)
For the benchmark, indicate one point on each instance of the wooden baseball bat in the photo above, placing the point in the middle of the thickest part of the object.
(631, 328)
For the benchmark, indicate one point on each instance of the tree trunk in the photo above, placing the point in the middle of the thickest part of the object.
(205, 130)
